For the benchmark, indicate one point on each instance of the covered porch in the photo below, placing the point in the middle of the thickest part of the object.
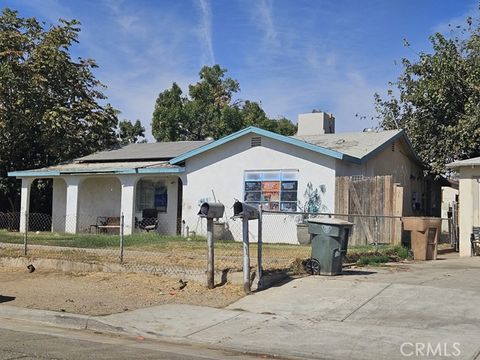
(96, 197)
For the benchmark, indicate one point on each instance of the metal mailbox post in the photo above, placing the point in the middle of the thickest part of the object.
(246, 212)
(211, 211)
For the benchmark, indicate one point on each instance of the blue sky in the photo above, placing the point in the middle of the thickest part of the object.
(290, 55)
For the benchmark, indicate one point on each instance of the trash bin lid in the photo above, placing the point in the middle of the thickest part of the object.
(330, 221)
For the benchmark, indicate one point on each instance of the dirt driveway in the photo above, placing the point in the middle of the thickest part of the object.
(104, 293)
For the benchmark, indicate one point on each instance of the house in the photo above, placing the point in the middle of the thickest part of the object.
(468, 172)
(255, 165)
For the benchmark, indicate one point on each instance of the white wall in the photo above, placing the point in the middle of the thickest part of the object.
(98, 196)
(469, 206)
(167, 221)
(222, 170)
(101, 196)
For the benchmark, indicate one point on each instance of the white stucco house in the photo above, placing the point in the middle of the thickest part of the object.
(253, 165)
(468, 173)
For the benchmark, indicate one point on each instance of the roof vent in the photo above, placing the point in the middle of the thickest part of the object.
(256, 141)
(368, 130)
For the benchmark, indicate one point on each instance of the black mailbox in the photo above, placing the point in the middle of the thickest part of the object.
(245, 211)
(211, 210)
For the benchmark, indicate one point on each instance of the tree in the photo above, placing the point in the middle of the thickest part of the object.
(50, 107)
(130, 133)
(209, 111)
(438, 100)
(169, 115)
(285, 127)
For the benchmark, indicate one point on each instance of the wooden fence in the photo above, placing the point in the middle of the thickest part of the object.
(374, 205)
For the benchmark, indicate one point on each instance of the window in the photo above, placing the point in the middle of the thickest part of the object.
(151, 194)
(275, 190)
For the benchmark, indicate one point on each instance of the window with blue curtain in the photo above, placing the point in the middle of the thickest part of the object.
(151, 194)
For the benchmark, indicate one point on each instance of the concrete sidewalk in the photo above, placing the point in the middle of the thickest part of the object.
(366, 314)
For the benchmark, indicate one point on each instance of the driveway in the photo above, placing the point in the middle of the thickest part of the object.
(426, 310)
(405, 311)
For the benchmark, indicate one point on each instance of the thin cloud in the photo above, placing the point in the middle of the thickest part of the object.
(264, 15)
(451, 24)
(205, 29)
(128, 22)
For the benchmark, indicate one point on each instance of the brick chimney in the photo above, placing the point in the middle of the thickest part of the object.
(315, 123)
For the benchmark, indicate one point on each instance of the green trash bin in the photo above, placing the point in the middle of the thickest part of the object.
(329, 245)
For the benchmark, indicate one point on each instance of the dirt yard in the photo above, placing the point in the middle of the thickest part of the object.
(104, 293)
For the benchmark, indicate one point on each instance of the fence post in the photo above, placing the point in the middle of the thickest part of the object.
(260, 245)
(210, 255)
(376, 233)
(246, 257)
(122, 222)
(25, 234)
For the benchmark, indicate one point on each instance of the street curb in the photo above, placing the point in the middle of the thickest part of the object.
(93, 323)
(71, 321)
(60, 319)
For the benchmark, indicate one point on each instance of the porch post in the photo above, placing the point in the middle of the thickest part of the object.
(127, 205)
(71, 209)
(25, 202)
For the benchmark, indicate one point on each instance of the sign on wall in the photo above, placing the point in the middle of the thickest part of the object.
(274, 190)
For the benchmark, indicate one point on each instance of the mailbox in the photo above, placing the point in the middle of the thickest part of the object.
(245, 211)
(211, 210)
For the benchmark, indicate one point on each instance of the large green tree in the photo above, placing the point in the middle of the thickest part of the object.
(51, 106)
(130, 133)
(209, 110)
(437, 99)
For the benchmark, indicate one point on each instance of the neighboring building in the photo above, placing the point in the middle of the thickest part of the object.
(449, 199)
(468, 199)
(253, 165)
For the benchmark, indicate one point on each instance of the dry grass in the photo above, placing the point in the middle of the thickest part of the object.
(166, 252)
(106, 293)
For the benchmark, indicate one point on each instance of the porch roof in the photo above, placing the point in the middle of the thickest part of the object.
(80, 168)
(159, 151)
(468, 162)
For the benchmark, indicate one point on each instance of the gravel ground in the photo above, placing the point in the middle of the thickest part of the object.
(104, 293)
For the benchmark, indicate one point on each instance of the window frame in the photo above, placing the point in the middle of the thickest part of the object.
(145, 196)
(264, 185)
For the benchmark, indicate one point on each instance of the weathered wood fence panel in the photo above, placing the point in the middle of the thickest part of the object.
(371, 203)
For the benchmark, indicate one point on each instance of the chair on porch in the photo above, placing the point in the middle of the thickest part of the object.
(475, 240)
(149, 220)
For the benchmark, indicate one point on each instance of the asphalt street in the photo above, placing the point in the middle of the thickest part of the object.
(19, 340)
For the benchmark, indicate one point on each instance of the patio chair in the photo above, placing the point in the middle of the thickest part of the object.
(475, 240)
(149, 220)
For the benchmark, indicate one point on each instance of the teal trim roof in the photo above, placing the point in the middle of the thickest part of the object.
(355, 147)
(254, 130)
(119, 168)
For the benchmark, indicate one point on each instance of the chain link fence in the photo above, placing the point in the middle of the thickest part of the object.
(156, 246)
